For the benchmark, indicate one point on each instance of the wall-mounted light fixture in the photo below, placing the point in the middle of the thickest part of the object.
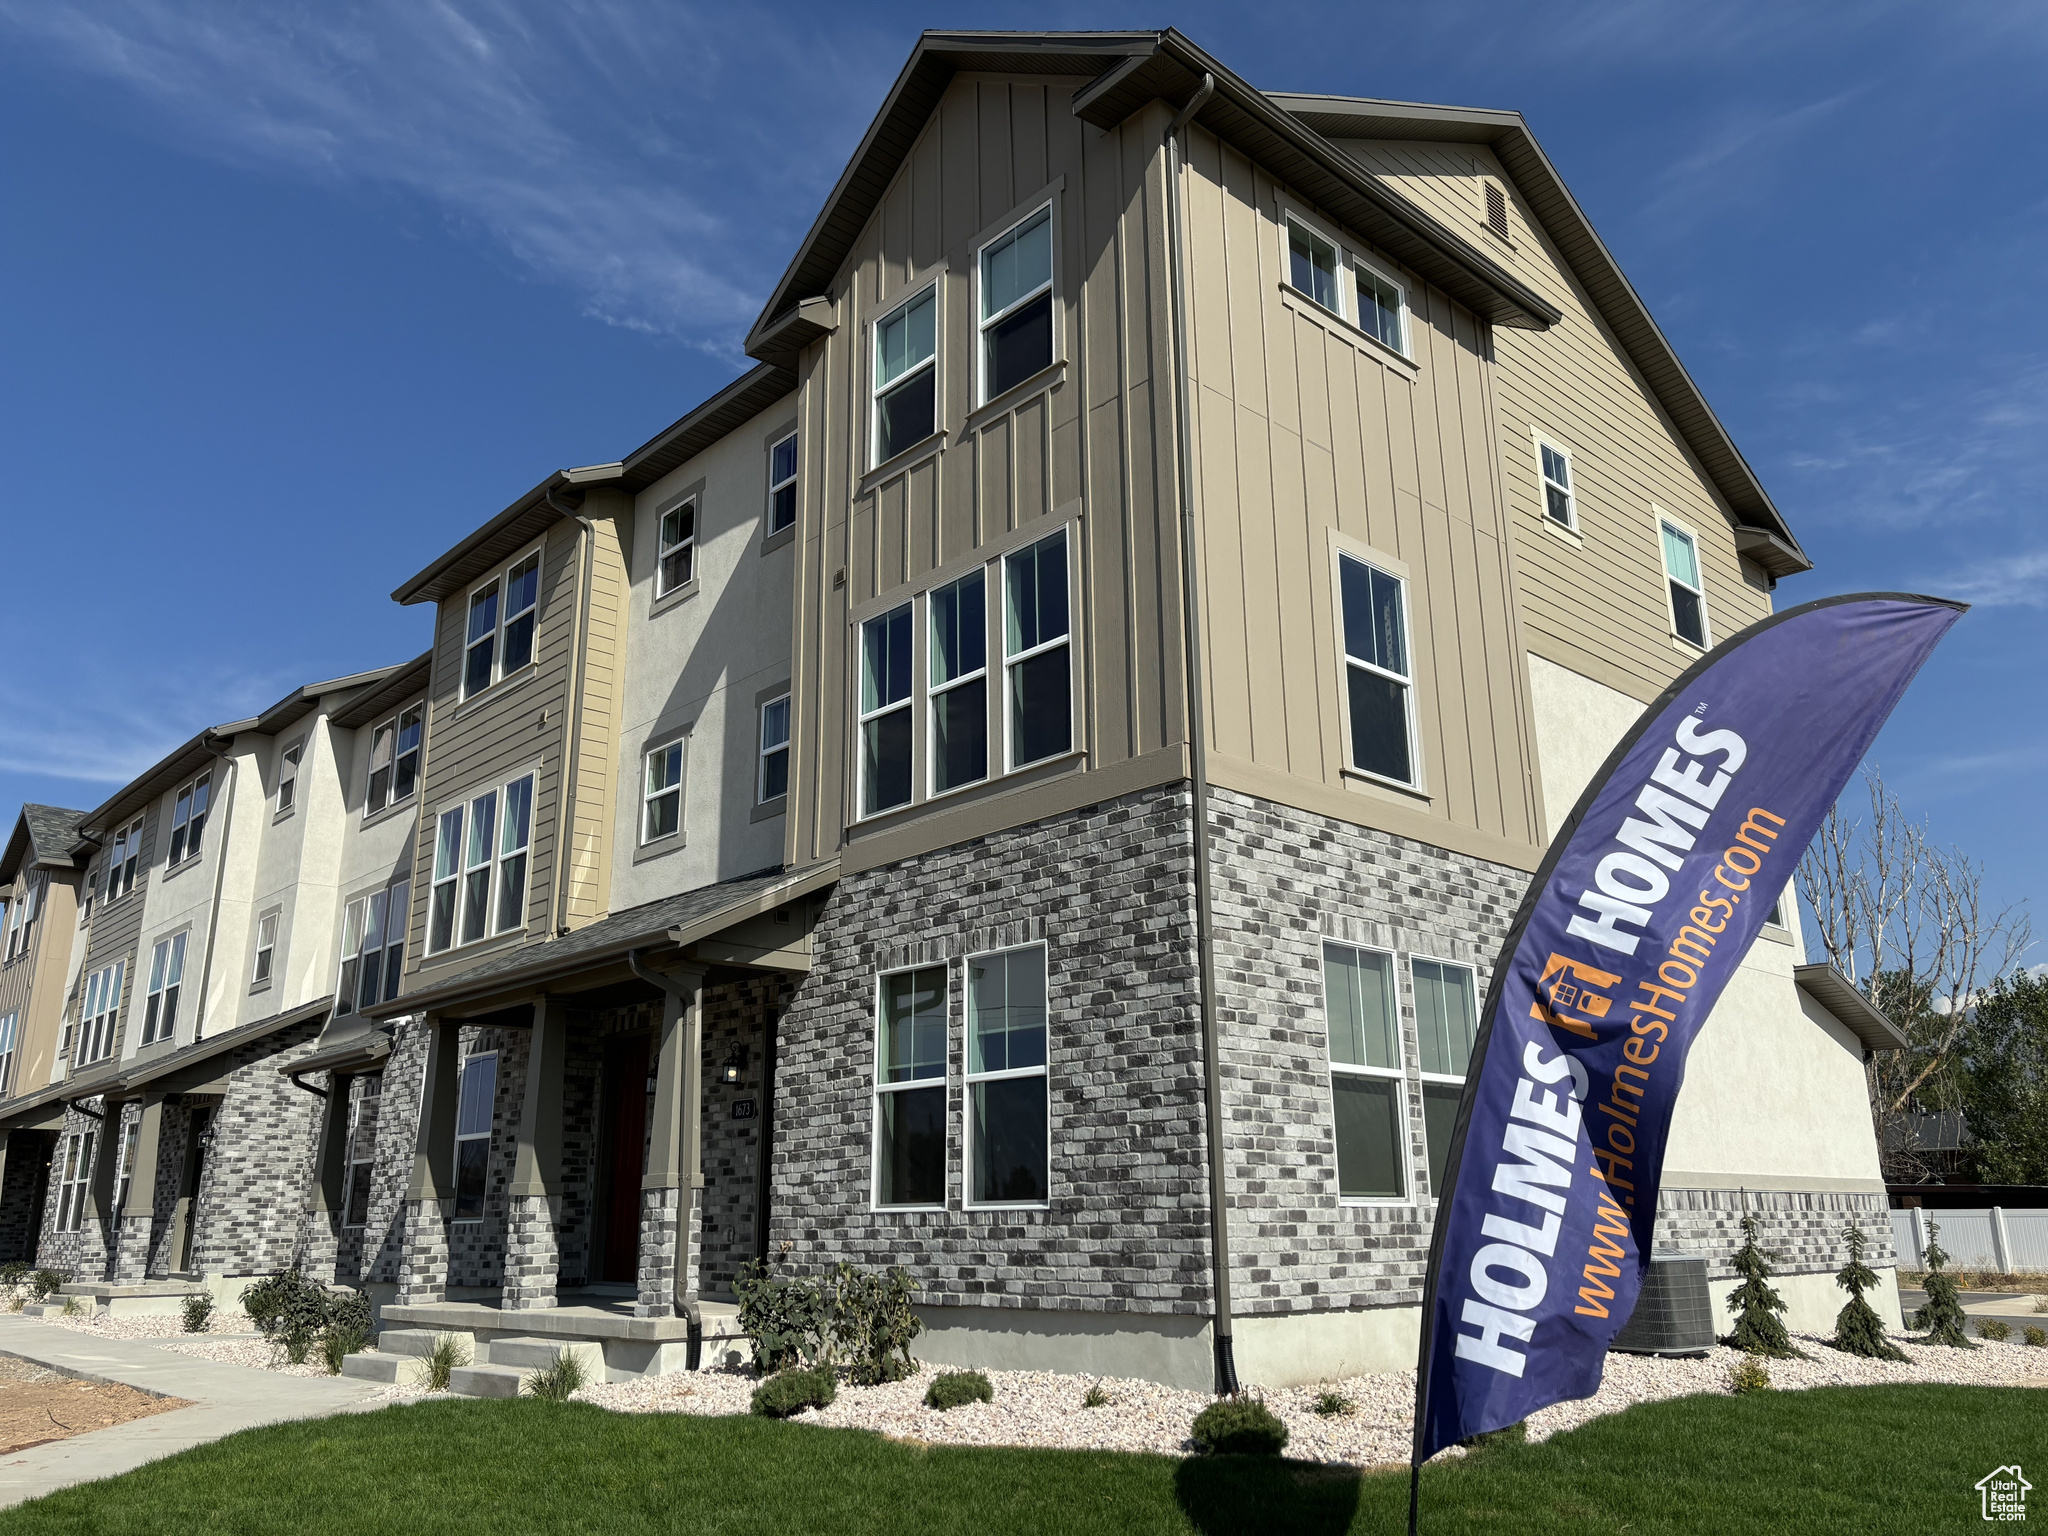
(735, 1059)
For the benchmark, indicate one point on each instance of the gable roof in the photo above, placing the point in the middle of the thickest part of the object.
(43, 834)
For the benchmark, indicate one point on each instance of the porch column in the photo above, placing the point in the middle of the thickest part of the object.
(329, 1185)
(103, 1223)
(671, 1189)
(430, 1191)
(138, 1216)
(532, 1251)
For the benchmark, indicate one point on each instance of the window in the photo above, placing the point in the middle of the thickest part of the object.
(885, 712)
(678, 561)
(288, 776)
(1376, 672)
(373, 948)
(910, 1089)
(124, 1166)
(9, 1026)
(1365, 1073)
(1382, 307)
(1688, 598)
(74, 1181)
(266, 948)
(473, 1133)
(782, 484)
(1312, 266)
(958, 652)
(774, 779)
(22, 911)
(464, 887)
(1016, 305)
(188, 819)
(1775, 917)
(362, 1149)
(1038, 664)
(97, 1014)
(501, 618)
(661, 812)
(906, 375)
(1559, 503)
(1008, 1123)
(1446, 1023)
(166, 977)
(394, 761)
(123, 859)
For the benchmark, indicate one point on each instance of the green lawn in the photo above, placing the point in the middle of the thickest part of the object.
(1837, 1459)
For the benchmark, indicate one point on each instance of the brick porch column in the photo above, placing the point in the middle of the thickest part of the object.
(430, 1191)
(532, 1249)
(328, 1189)
(672, 1188)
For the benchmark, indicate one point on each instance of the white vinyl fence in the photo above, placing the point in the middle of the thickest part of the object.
(2009, 1242)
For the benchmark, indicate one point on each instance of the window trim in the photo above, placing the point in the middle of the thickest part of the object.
(1543, 440)
(129, 865)
(1290, 216)
(23, 908)
(187, 845)
(1404, 313)
(768, 528)
(289, 760)
(1010, 663)
(1439, 1079)
(74, 1179)
(351, 1159)
(488, 1136)
(991, 634)
(969, 1077)
(1410, 1198)
(876, 1087)
(263, 960)
(1660, 520)
(1341, 549)
(1047, 203)
(396, 726)
(862, 716)
(159, 1025)
(397, 934)
(681, 743)
(691, 543)
(764, 751)
(10, 1039)
(458, 878)
(501, 578)
(107, 1021)
(909, 295)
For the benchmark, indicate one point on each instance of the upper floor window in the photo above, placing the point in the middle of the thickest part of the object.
(1038, 663)
(475, 1103)
(1376, 675)
(124, 858)
(885, 713)
(774, 779)
(661, 801)
(97, 1013)
(677, 566)
(188, 819)
(1560, 502)
(480, 854)
(373, 947)
(500, 634)
(1682, 578)
(1382, 307)
(1016, 304)
(782, 484)
(906, 389)
(1312, 266)
(910, 1089)
(1334, 278)
(958, 653)
(166, 979)
(21, 913)
(266, 949)
(288, 776)
(8, 1028)
(394, 760)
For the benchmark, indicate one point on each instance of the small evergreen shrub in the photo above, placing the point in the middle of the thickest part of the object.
(1756, 1303)
(1239, 1426)
(1095, 1397)
(1858, 1328)
(448, 1353)
(557, 1383)
(2037, 1337)
(793, 1391)
(1942, 1316)
(1749, 1375)
(45, 1283)
(1331, 1404)
(1993, 1329)
(956, 1389)
(198, 1311)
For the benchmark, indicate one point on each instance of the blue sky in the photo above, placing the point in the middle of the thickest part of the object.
(291, 297)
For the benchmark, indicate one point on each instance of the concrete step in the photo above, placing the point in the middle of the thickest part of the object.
(538, 1354)
(391, 1370)
(56, 1308)
(486, 1380)
(421, 1341)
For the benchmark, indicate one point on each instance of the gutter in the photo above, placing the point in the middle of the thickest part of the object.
(1198, 755)
(685, 1304)
(565, 814)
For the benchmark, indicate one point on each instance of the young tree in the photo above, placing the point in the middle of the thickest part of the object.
(1942, 1316)
(1858, 1328)
(1756, 1303)
(2004, 1081)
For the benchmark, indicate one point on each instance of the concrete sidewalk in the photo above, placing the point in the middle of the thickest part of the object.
(224, 1398)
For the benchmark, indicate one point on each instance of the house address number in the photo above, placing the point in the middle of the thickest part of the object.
(743, 1109)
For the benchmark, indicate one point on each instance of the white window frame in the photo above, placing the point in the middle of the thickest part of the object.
(969, 1078)
(369, 1089)
(357, 929)
(388, 739)
(99, 1013)
(485, 1136)
(1397, 573)
(1425, 1079)
(10, 1028)
(262, 964)
(863, 716)
(933, 691)
(680, 745)
(1544, 483)
(876, 390)
(769, 526)
(188, 820)
(166, 988)
(74, 1179)
(461, 877)
(288, 775)
(1402, 322)
(1404, 1105)
(124, 1167)
(22, 911)
(1012, 663)
(769, 749)
(501, 580)
(124, 861)
(1664, 520)
(685, 545)
(943, 1082)
(984, 322)
(1291, 217)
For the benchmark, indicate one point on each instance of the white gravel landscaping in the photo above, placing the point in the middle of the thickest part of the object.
(153, 1325)
(1040, 1408)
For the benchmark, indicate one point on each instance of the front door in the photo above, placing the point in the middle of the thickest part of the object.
(625, 1119)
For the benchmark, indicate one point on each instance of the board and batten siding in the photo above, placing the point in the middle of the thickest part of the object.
(1089, 442)
(32, 985)
(597, 721)
(1304, 426)
(117, 929)
(1595, 603)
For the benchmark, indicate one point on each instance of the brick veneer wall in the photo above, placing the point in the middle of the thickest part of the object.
(1800, 1229)
(23, 1180)
(253, 1179)
(734, 1014)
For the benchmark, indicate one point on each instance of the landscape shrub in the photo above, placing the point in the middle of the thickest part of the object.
(1756, 1303)
(1239, 1426)
(1749, 1375)
(1331, 1404)
(783, 1318)
(14, 1271)
(793, 1391)
(1858, 1328)
(338, 1343)
(2035, 1336)
(851, 1317)
(448, 1353)
(557, 1383)
(287, 1305)
(956, 1389)
(1991, 1328)
(1095, 1397)
(45, 1283)
(1942, 1315)
(198, 1311)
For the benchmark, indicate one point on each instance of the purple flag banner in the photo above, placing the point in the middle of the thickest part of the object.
(1651, 894)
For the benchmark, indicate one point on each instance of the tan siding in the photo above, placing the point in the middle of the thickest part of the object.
(32, 984)
(598, 719)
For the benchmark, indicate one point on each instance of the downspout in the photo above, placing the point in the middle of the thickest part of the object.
(565, 837)
(294, 1079)
(220, 870)
(1198, 755)
(685, 1304)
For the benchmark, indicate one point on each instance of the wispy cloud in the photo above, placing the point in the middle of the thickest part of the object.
(98, 733)
(2015, 581)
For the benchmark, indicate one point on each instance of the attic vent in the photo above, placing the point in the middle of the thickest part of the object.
(1496, 210)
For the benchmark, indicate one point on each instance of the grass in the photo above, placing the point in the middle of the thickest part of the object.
(1830, 1460)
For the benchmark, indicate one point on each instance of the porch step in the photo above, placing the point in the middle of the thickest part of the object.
(486, 1380)
(531, 1354)
(82, 1305)
(390, 1370)
(421, 1341)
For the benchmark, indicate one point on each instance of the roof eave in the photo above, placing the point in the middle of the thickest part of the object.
(1843, 1002)
(452, 568)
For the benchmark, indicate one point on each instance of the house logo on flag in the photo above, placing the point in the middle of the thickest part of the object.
(2005, 1494)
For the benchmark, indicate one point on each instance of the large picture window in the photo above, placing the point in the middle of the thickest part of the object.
(1376, 674)
(188, 819)
(910, 1089)
(906, 375)
(1366, 1090)
(373, 948)
(74, 1181)
(1007, 1108)
(480, 856)
(98, 1012)
(1038, 663)
(1446, 1023)
(501, 619)
(885, 711)
(1016, 304)
(958, 653)
(394, 760)
(475, 1102)
(166, 980)
(1682, 576)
